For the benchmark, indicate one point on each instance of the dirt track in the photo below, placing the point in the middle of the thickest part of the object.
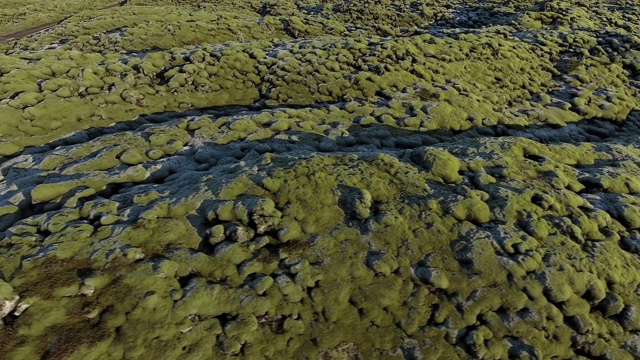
(33, 30)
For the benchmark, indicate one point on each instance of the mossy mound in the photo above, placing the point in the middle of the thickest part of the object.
(248, 241)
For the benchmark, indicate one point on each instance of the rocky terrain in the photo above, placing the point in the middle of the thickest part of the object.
(320, 179)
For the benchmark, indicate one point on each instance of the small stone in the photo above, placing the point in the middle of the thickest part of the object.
(87, 290)
(21, 308)
(216, 234)
(356, 201)
(381, 263)
(440, 163)
(239, 233)
(8, 299)
(611, 305)
(261, 284)
(431, 276)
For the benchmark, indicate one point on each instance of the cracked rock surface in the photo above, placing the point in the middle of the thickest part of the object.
(323, 180)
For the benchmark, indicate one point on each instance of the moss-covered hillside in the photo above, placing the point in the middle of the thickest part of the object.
(320, 179)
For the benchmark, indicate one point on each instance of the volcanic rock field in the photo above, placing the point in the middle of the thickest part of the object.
(320, 179)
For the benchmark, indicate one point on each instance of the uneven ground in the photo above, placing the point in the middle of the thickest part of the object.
(324, 179)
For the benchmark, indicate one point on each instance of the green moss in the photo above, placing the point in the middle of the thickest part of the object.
(6, 292)
(491, 247)
(133, 157)
(8, 209)
(8, 148)
(48, 192)
(440, 164)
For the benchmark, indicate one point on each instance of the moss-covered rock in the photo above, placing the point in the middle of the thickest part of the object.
(342, 180)
(439, 163)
